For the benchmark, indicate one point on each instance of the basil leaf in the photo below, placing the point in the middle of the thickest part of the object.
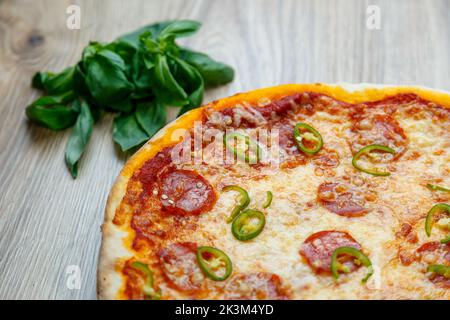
(124, 105)
(79, 138)
(192, 83)
(54, 83)
(51, 111)
(180, 28)
(127, 133)
(133, 38)
(213, 72)
(171, 92)
(151, 116)
(106, 77)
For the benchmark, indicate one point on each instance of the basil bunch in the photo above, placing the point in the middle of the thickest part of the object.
(138, 76)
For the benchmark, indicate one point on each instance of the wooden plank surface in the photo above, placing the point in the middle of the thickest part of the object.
(49, 221)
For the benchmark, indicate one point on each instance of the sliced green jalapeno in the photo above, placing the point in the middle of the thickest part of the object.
(437, 188)
(309, 134)
(440, 269)
(148, 289)
(268, 201)
(446, 240)
(249, 145)
(212, 260)
(430, 218)
(244, 227)
(244, 200)
(366, 151)
(336, 266)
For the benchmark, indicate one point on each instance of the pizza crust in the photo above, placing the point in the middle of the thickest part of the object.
(114, 246)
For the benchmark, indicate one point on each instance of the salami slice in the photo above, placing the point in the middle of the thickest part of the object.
(318, 248)
(378, 129)
(341, 199)
(185, 192)
(435, 252)
(256, 286)
(178, 262)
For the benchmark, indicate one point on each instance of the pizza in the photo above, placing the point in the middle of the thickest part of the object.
(292, 192)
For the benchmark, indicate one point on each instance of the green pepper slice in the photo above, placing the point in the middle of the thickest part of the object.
(430, 221)
(243, 202)
(268, 201)
(336, 266)
(243, 229)
(440, 269)
(366, 151)
(148, 289)
(311, 135)
(446, 240)
(211, 260)
(437, 188)
(243, 154)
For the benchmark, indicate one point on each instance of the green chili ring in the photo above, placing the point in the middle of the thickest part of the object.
(148, 289)
(298, 138)
(437, 188)
(206, 268)
(243, 201)
(446, 240)
(268, 201)
(362, 258)
(440, 269)
(367, 150)
(242, 230)
(430, 215)
(243, 156)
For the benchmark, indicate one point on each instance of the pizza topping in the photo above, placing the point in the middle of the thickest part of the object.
(368, 151)
(243, 201)
(268, 201)
(243, 147)
(248, 224)
(406, 231)
(256, 286)
(341, 199)
(179, 263)
(437, 208)
(214, 263)
(437, 188)
(360, 258)
(148, 289)
(307, 138)
(318, 249)
(185, 192)
(380, 130)
(437, 256)
(327, 159)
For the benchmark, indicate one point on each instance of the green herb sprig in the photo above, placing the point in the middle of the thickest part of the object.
(137, 76)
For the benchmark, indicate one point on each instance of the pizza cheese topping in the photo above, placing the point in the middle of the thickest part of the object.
(260, 286)
(326, 147)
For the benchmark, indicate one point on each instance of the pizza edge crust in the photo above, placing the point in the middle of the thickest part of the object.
(114, 239)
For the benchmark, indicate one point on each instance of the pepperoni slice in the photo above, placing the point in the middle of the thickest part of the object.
(185, 192)
(326, 159)
(378, 129)
(435, 252)
(341, 199)
(256, 286)
(179, 264)
(318, 248)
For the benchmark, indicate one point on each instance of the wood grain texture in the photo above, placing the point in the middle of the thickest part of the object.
(49, 221)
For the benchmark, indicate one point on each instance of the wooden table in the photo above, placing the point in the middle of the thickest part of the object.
(49, 222)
